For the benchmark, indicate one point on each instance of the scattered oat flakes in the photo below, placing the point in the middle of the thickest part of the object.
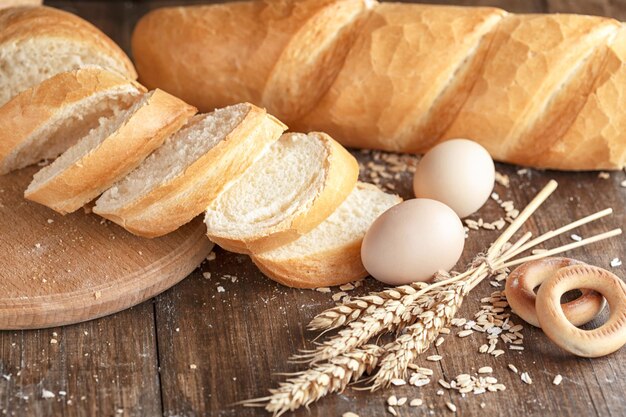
(485, 370)
(50, 221)
(451, 406)
(53, 341)
(522, 171)
(604, 175)
(512, 367)
(211, 256)
(193, 366)
(220, 289)
(392, 400)
(323, 289)
(434, 358)
(402, 401)
(46, 395)
(349, 414)
(206, 275)
(503, 179)
(346, 287)
(557, 380)
(526, 378)
(392, 411)
(576, 238)
(465, 333)
(398, 382)
(339, 295)
(416, 402)
(439, 341)
(615, 262)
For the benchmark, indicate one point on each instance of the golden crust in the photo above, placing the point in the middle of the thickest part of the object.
(30, 22)
(400, 64)
(342, 172)
(14, 3)
(234, 47)
(32, 109)
(532, 82)
(176, 202)
(116, 156)
(324, 269)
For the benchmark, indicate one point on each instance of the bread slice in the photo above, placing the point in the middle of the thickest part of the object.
(108, 152)
(294, 187)
(39, 42)
(331, 253)
(183, 177)
(45, 120)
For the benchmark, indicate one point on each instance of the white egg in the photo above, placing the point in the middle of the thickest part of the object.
(459, 173)
(412, 241)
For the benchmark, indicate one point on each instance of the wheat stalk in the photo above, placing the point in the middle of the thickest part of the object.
(403, 351)
(318, 381)
(421, 310)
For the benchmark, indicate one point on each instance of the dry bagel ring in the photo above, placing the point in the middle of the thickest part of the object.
(521, 297)
(602, 341)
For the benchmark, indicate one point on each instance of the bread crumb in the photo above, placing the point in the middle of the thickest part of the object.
(323, 289)
(503, 179)
(53, 341)
(38, 245)
(576, 238)
(97, 294)
(557, 380)
(193, 366)
(623, 184)
(211, 256)
(616, 262)
(604, 175)
(206, 275)
(349, 414)
(416, 402)
(220, 289)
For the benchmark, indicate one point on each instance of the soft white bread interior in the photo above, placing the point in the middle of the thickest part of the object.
(183, 177)
(108, 152)
(39, 42)
(331, 253)
(43, 121)
(294, 187)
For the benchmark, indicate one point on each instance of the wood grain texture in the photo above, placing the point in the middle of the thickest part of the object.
(248, 331)
(57, 270)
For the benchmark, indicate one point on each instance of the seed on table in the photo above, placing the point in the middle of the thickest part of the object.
(485, 370)
(416, 402)
(434, 358)
(512, 368)
(392, 400)
(557, 380)
(465, 333)
(402, 401)
(392, 411)
(451, 407)
(526, 378)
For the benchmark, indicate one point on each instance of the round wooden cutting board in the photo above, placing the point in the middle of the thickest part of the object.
(57, 270)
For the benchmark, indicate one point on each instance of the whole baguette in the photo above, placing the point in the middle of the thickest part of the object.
(538, 90)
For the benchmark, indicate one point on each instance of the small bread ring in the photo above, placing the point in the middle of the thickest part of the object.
(594, 343)
(521, 297)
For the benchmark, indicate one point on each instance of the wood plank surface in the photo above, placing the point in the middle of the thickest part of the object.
(198, 348)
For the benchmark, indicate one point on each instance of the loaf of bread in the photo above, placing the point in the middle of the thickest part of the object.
(295, 186)
(45, 120)
(540, 90)
(39, 42)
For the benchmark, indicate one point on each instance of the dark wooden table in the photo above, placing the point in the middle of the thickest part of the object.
(194, 351)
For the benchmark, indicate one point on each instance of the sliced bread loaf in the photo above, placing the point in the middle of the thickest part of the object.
(331, 253)
(294, 187)
(39, 42)
(45, 120)
(183, 177)
(108, 152)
